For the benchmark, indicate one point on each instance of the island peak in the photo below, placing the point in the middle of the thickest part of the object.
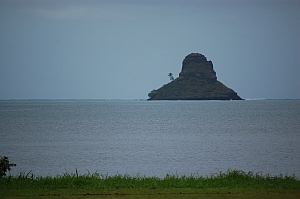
(197, 81)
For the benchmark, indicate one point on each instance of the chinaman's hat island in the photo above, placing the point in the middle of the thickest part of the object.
(197, 81)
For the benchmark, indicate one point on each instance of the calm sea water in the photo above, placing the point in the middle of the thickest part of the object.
(151, 138)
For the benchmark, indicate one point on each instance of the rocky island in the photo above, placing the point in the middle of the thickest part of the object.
(197, 81)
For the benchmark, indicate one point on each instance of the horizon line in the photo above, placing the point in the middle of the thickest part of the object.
(141, 99)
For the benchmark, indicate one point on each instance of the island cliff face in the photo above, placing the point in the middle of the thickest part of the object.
(197, 81)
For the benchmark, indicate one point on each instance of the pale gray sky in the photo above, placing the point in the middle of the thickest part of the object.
(71, 49)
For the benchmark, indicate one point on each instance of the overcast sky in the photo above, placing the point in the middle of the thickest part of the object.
(93, 49)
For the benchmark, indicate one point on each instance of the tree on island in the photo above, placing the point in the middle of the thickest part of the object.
(171, 76)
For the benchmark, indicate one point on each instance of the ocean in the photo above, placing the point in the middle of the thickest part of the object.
(150, 138)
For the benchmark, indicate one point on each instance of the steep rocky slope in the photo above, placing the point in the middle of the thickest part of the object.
(197, 81)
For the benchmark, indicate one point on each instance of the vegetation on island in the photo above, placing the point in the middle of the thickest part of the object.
(171, 76)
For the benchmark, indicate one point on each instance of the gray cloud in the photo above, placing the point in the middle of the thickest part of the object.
(124, 49)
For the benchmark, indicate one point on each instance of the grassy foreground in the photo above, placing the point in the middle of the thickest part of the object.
(232, 184)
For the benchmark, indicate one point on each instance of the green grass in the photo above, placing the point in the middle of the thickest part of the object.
(72, 185)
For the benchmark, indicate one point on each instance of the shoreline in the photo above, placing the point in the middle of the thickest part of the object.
(233, 183)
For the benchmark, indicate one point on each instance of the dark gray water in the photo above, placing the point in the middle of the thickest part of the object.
(151, 138)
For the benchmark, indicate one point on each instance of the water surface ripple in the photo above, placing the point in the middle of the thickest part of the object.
(151, 138)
